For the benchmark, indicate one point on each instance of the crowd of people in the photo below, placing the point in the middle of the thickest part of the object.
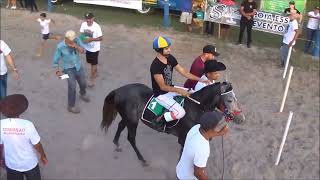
(20, 140)
(247, 10)
(24, 4)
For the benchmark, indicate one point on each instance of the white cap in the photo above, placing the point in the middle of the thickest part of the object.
(71, 35)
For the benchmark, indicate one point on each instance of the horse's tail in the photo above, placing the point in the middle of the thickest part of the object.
(109, 111)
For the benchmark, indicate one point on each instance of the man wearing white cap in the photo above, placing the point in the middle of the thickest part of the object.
(92, 33)
(68, 51)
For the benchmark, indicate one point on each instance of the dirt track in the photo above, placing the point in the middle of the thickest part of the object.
(77, 148)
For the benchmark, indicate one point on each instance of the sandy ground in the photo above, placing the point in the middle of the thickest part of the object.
(77, 148)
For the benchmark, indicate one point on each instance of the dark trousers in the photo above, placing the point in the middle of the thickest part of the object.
(3, 86)
(33, 174)
(21, 3)
(74, 77)
(310, 35)
(243, 25)
(32, 4)
(208, 27)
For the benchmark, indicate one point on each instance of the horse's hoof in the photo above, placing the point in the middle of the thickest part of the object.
(145, 164)
(115, 142)
(118, 149)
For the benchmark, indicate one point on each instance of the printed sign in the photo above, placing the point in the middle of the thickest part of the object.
(263, 21)
(130, 4)
(278, 6)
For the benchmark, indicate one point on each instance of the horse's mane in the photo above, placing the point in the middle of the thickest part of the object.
(207, 93)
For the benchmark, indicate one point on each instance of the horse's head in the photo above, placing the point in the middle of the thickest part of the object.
(229, 105)
(221, 96)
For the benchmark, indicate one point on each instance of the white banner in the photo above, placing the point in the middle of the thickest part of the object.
(262, 21)
(130, 4)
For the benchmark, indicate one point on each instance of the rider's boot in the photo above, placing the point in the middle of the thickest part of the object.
(159, 123)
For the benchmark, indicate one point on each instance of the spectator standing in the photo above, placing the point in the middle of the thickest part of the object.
(209, 52)
(68, 52)
(6, 58)
(23, 4)
(289, 38)
(312, 27)
(291, 9)
(196, 150)
(224, 28)
(186, 14)
(13, 4)
(19, 141)
(91, 31)
(33, 4)
(248, 9)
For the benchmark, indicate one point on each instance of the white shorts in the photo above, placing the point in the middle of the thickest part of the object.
(167, 101)
(186, 17)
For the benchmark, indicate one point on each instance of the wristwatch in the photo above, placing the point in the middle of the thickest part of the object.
(15, 69)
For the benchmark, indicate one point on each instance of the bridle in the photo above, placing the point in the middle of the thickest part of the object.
(223, 108)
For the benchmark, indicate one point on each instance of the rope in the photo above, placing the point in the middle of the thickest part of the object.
(222, 159)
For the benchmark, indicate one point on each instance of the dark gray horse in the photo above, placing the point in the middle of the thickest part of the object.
(130, 100)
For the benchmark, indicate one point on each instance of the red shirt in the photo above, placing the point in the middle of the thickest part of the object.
(227, 2)
(197, 70)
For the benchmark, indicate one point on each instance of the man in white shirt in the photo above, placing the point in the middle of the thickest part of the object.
(210, 72)
(196, 150)
(6, 58)
(19, 141)
(91, 35)
(313, 23)
(289, 38)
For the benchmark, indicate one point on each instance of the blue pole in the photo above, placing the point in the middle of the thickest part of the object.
(166, 13)
(49, 6)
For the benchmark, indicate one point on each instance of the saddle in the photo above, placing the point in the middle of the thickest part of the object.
(153, 110)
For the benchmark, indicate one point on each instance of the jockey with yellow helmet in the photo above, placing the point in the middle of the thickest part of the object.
(161, 71)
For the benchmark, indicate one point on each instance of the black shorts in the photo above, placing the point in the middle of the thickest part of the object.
(92, 57)
(45, 36)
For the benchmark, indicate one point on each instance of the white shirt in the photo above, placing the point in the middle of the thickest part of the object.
(201, 85)
(5, 51)
(93, 31)
(18, 137)
(195, 152)
(313, 23)
(289, 35)
(44, 25)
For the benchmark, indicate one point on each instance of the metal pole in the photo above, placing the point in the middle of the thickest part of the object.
(166, 14)
(49, 6)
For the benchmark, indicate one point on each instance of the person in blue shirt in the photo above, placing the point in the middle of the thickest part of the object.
(68, 52)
